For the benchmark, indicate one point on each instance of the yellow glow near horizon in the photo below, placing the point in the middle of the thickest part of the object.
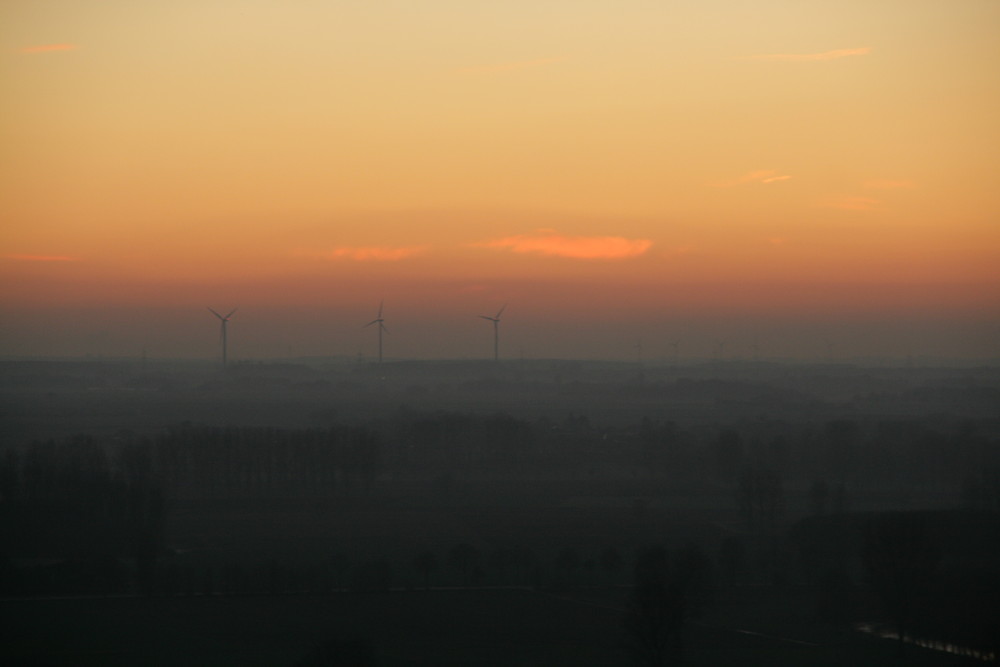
(400, 144)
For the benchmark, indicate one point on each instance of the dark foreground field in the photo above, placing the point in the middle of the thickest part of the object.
(438, 627)
(516, 515)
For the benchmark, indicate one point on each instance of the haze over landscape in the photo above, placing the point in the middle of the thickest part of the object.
(792, 177)
(561, 332)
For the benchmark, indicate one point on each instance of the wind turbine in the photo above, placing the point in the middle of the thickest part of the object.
(496, 331)
(224, 319)
(381, 327)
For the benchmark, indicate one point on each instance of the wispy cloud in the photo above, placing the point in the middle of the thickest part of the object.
(853, 203)
(374, 253)
(41, 258)
(47, 48)
(760, 176)
(512, 66)
(880, 184)
(549, 243)
(808, 57)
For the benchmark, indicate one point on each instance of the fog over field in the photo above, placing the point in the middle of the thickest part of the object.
(581, 512)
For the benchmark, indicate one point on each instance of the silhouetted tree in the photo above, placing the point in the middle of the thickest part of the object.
(819, 497)
(425, 562)
(694, 577)
(340, 564)
(981, 489)
(208, 581)
(731, 558)
(567, 561)
(372, 576)
(728, 453)
(465, 558)
(275, 577)
(842, 454)
(658, 441)
(611, 561)
(656, 610)
(761, 498)
(503, 559)
(838, 496)
(525, 566)
(445, 486)
(10, 483)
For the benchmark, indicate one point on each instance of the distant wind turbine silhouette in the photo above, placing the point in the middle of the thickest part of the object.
(224, 319)
(381, 327)
(496, 331)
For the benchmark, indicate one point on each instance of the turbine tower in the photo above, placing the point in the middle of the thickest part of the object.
(224, 319)
(381, 327)
(496, 331)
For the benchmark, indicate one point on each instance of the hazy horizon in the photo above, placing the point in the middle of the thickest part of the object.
(276, 333)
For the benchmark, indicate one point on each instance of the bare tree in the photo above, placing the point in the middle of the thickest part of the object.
(664, 595)
(466, 559)
(425, 562)
(761, 498)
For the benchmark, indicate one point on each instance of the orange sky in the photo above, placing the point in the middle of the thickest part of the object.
(697, 169)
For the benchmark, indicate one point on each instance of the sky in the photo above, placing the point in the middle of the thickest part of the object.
(639, 178)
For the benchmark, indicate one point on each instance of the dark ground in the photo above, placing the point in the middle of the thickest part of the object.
(446, 627)
(553, 617)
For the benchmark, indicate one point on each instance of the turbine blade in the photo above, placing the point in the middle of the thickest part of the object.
(231, 313)
(380, 304)
(500, 312)
(216, 314)
(372, 322)
(487, 317)
(383, 326)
